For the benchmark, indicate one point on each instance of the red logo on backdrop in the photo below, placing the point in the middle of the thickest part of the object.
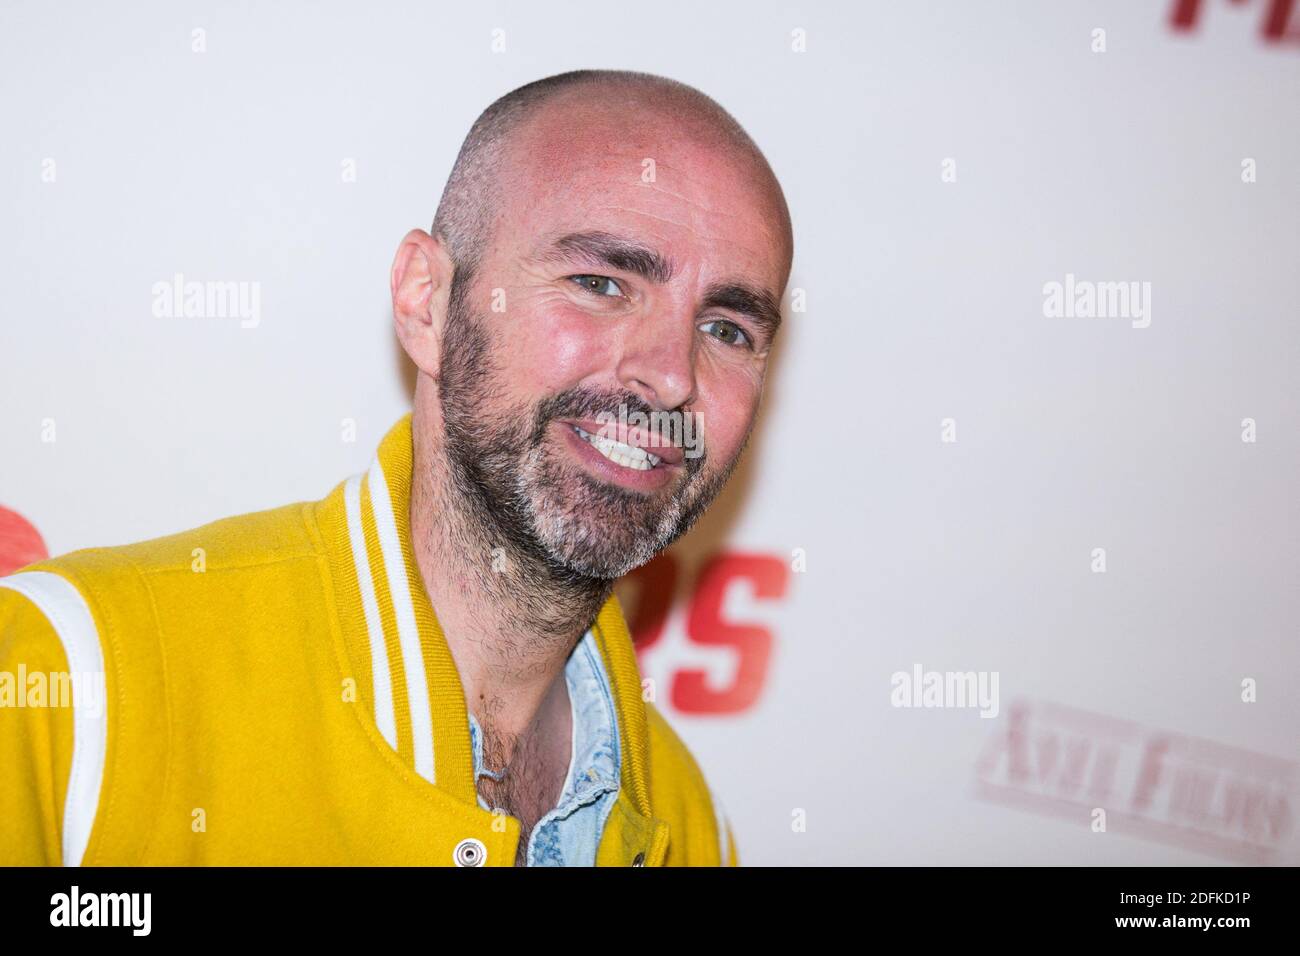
(20, 542)
(1154, 784)
(1275, 24)
(657, 584)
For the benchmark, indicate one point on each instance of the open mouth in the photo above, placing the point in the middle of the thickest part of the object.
(629, 464)
(629, 456)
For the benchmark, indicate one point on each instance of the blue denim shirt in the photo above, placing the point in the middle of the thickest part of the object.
(569, 834)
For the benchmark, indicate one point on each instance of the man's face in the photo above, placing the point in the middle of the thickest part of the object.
(601, 371)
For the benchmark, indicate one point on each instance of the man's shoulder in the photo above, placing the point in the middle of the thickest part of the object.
(280, 533)
(671, 757)
(134, 583)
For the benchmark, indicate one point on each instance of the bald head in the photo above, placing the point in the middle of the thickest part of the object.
(611, 244)
(498, 145)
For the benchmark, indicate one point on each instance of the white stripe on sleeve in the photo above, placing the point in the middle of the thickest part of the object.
(67, 612)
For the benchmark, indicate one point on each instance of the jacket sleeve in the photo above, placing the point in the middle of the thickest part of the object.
(36, 735)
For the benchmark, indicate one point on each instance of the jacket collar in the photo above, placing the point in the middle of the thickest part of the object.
(406, 676)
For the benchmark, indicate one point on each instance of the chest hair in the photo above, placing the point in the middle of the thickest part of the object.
(534, 778)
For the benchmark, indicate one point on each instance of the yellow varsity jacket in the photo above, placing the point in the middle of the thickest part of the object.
(208, 698)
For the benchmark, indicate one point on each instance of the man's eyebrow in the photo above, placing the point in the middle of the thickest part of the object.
(605, 249)
(760, 305)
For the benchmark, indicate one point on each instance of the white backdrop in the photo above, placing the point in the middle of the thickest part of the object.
(943, 163)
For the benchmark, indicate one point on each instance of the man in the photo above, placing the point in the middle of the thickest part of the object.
(590, 321)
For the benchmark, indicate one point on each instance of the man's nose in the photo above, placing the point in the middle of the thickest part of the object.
(658, 360)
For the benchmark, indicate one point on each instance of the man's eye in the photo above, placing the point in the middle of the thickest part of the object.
(598, 285)
(727, 332)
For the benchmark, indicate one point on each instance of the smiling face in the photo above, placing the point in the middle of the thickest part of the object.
(600, 373)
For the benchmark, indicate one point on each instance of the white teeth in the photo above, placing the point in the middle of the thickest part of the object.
(629, 456)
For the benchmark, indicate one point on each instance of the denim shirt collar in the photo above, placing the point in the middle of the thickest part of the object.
(569, 834)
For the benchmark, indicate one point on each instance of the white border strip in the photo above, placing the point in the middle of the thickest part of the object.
(417, 682)
(382, 689)
(67, 612)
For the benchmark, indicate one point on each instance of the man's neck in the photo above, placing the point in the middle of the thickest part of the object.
(509, 621)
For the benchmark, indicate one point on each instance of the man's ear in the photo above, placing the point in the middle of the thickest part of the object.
(421, 285)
